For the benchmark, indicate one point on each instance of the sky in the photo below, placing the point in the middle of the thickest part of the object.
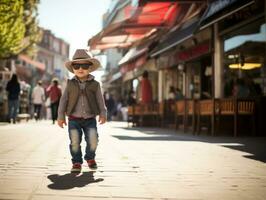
(74, 21)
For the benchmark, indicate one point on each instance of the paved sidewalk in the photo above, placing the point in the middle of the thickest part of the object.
(133, 163)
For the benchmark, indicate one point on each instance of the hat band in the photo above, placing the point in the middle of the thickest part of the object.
(80, 58)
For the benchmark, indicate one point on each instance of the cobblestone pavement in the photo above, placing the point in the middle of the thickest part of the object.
(134, 163)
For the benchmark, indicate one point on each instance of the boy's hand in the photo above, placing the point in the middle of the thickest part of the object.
(61, 123)
(102, 119)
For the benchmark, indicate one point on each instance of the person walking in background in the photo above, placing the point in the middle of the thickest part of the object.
(146, 89)
(13, 89)
(54, 93)
(111, 106)
(131, 98)
(38, 98)
(82, 101)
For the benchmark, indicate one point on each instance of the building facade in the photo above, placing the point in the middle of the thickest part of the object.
(53, 52)
(213, 51)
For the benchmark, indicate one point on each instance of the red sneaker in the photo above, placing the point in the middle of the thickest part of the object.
(92, 164)
(76, 168)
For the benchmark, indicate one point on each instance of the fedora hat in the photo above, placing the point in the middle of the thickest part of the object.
(84, 56)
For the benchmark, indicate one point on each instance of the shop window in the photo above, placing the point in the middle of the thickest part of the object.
(244, 55)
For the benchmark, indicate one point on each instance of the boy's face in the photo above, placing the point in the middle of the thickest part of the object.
(81, 69)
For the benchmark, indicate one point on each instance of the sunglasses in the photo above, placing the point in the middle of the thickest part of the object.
(84, 66)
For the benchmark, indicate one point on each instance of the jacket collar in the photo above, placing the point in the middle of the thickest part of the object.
(90, 77)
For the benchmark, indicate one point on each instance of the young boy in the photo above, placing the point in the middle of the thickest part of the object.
(82, 101)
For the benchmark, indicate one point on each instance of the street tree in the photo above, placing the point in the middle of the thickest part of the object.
(19, 31)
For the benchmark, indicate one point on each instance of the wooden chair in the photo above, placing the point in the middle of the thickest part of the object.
(134, 112)
(170, 113)
(245, 107)
(130, 115)
(137, 114)
(166, 113)
(161, 114)
(206, 111)
(155, 113)
(190, 115)
(149, 113)
(237, 108)
(226, 110)
(180, 116)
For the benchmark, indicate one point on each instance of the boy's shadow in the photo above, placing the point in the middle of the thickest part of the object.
(71, 180)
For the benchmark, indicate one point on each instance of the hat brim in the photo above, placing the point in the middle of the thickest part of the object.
(95, 64)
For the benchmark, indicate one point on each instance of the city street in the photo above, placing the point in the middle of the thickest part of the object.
(134, 163)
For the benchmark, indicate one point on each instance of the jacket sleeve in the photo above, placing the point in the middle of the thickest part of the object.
(100, 100)
(63, 105)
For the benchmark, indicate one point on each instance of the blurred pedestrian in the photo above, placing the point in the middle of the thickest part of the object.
(38, 98)
(131, 98)
(146, 89)
(82, 101)
(240, 89)
(13, 89)
(54, 93)
(172, 93)
(111, 106)
(178, 94)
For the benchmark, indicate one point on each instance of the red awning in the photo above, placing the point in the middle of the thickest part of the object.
(146, 20)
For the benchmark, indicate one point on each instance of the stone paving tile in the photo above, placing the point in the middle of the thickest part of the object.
(133, 164)
(69, 197)
(13, 196)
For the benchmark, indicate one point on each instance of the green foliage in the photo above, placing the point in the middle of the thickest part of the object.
(19, 31)
(33, 32)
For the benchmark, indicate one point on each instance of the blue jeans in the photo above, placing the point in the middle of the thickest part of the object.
(13, 108)
(76, 129)
(54, 109)
(37, 110)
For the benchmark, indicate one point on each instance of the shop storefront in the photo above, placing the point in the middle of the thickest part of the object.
(185, 61)
(239, 44)
(244, 51)
(190, 65)
(198, 71)
(169, 74)
(132, 69)
(133, 79)
(162, 63)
